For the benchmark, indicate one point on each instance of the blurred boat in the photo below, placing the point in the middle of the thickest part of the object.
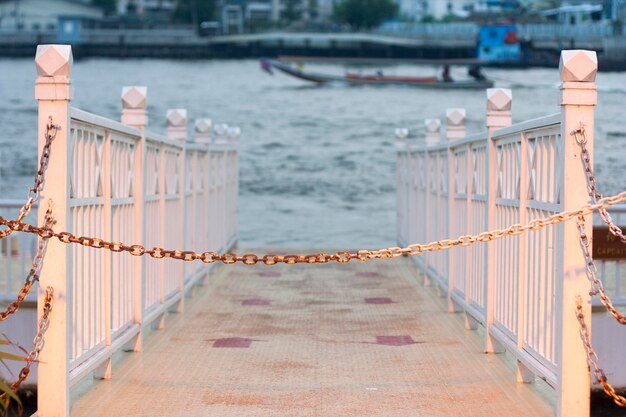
(294, 67)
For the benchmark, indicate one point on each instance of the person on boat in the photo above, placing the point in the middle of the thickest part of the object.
(476, 73)
(300, 66)
(445, 76)
(379, 73)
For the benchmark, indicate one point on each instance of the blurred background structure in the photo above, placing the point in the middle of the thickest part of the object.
(377, 28)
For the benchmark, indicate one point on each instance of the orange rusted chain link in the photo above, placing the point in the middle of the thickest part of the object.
(272, 259)
(33, 274)
(592, 358)
(40, 178)
(592, 187)
(38, 342)
(597, 287)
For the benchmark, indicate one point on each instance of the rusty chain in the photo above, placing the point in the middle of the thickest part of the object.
(592, 358)
(33, 274)
(40, 178)
(592, 187)
(38, 342)
(272, 259)
(597, 287)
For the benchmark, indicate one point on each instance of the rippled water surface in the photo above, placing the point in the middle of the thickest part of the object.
(318, 163)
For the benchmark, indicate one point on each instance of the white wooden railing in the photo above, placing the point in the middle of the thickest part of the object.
(522, 289)
(120, 182)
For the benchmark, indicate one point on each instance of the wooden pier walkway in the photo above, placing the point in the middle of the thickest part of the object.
(314, 340)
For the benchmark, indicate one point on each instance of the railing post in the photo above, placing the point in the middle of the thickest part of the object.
(433, 131)
(177, 130)
(499, 102)
(53, 91)
(455, 130)
(134, 114)
(577, 99)
(203, 131)
(177, 124)
(432, 138)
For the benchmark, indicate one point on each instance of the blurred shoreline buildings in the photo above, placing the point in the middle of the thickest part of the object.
(239, 16)
(432, 29)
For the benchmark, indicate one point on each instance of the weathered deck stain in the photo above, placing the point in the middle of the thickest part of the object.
(323, 352)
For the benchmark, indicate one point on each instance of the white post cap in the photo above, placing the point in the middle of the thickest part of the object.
(499, 103)
(433, 131)
(221, 132)
(234, 132)
(54, 60)
(134, 105)
(578, 70)
(177, 124)
(203, 129)
(455, 119)
(54, 67)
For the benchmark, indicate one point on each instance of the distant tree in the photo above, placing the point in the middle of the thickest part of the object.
(365, 14)
(108, 6)
(293, 10)
(194, 11)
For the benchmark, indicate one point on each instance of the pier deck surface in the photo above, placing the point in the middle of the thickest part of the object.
(313, 340)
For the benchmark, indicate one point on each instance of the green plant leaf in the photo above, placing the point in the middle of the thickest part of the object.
(4, 387)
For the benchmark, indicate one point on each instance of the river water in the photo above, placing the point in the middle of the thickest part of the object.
(317, 163)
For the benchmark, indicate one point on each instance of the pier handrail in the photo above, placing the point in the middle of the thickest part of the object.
(521, 290)
(120, 182)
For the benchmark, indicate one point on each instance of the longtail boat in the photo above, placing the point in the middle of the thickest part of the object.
(293, 66)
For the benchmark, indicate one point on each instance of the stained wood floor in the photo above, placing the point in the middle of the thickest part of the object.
(357, 339)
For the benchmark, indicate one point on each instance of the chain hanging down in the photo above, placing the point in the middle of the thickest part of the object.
(33, 274)
(38, 342)
(40, 178)
(592, 358)
(592, 187)
(597, 287)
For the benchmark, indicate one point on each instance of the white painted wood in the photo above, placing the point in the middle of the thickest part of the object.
(135, 114)
(498, 117)
(53, 92)
(522, 289)
(456, 205)
(578, 99)
(122, 183)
